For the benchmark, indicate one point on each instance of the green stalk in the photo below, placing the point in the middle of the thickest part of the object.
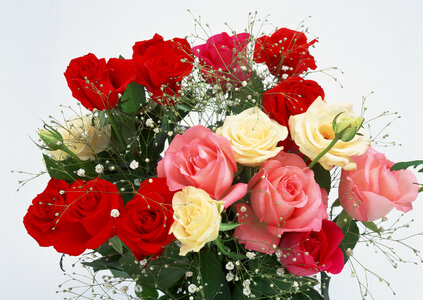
(73, 155)
(335, 139)
(115, 128)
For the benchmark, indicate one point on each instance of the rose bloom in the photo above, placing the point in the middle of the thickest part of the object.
(42, 219)
(312, 131)
(202, 159)
(97, 84)
(373, 190)
(284, 198)
(161, 65)
(307, 253)
(91, 216)
(222, 57)
(285, 52)
(84, 137)
(253, 136)
(145, 221)
(196, 219)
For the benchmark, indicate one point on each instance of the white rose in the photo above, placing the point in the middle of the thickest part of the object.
(84, 137)
(312, 131)
(253, 136)
(197, 219)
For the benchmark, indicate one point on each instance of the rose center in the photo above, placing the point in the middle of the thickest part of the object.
(327, 132)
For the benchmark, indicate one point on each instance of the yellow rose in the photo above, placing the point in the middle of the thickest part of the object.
(84, 137)
(253, 136)
(312, 131)
(197, 218)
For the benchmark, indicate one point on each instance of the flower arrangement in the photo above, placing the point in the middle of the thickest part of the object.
(204, 172)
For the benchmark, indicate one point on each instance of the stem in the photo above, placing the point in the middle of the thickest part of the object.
(324, 278)
(115, 128)
(335, 139)
(73, 155)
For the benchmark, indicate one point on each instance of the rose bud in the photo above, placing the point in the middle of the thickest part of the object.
(346, 125)
(51, 137)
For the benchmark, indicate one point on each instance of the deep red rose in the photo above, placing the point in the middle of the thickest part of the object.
(222, 57)
(91, 217)
(97, 84)
(42, 219)
(290, 97)
(285, 52)
(161, 66)
(145, 221)
(313, 251)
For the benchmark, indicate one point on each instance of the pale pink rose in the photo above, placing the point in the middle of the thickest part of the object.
(284, 198)
(372, 190)
(222, 56)
(202, 159)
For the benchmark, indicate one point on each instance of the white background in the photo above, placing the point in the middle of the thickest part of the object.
(378, 45)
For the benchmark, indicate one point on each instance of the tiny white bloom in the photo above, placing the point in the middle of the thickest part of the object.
(284, 76)
(115, 213)
(244, 83)
(243, 209)
(99, 169)
(295, 284)
(143, 262)
(280, 271)
(149, 123)
(251, 255)
(134, 165)
(80, 172)
(192, 288)
(229, 277)
(230, 266)
(170, 133)
(188, 274)
(243, 68)
(156, 130)
(285, 68)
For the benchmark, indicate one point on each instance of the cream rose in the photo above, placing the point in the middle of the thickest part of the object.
(253, 136)
(84, 137)
(197, 218)
(312, 131)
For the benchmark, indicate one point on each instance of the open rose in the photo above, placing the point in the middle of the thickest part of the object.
(202, 159)
(90, 218)
(307, 253)
(145, 221)
(97, 84)
(197, 218)
(223, 58)
(42, 219)
(312, 131)
(285, 52)
(373, 190)
(284, 198)
(161, 65)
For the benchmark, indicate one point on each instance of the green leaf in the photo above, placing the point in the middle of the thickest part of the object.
(148, 294)
(228, 226)
(311, 294)
(350, 230)
(103, 263)
(372, 226)
(132, 98)
(210, 272)
(66, 169)
(119, 273)
(406, 164)
(322, 177)
(254, 88)
(116, 243)
(106, 250)
(222, 249)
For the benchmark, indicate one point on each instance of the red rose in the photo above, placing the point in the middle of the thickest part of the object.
(97, 84)
(42, 219)
(285, 52)
(90, 218)
(307, 253)
(161, 65)
(290, 97)
(145, 221)
(224, 57)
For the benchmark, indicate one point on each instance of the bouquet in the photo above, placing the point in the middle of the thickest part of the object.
(215, 171)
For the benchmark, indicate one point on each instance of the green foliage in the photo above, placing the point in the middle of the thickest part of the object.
(211, 273)
(350, 230)
(228, 226)
(116, 243)
(322, 177)
(254, 89)
(372, 226)
(406, 164)
(132, 98)
(66, 169)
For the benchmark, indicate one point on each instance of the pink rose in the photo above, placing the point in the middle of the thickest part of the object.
(372, 190)
(284, 198)
(222, 56)
(313, 251)
(202, 159)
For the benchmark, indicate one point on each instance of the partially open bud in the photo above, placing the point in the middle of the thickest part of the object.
(51, 137)
(345, 125)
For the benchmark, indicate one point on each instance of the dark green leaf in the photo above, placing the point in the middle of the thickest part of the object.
(210, 272)
(132, 98)
(106, 250)
(406, 164)
(311, 294)
(223, 249)
(66, 169)
(119, 273)
(148, 294)
(103, 263)
(322, 177)
(116, 243)
(350, 230)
